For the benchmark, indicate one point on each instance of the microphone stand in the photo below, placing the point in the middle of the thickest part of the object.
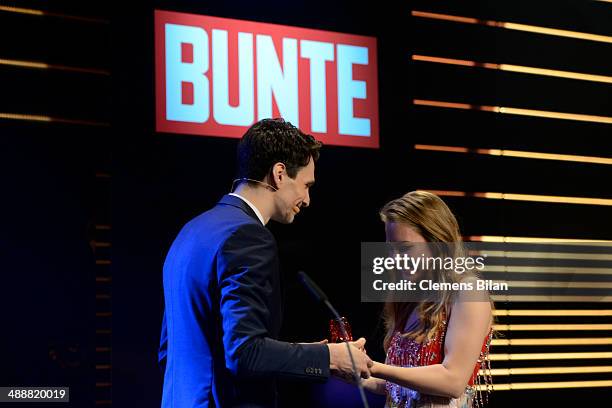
(318, 294)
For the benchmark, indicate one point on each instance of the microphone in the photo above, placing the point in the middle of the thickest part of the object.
(315, 291)
(320, 297)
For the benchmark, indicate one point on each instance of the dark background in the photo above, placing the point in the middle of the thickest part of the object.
(92, 198)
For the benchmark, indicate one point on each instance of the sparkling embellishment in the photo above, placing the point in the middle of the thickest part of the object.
(406, 352)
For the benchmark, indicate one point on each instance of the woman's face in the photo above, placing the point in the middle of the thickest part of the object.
(401, 232)
(407, 242)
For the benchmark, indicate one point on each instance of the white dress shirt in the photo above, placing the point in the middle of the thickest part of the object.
(250, 204)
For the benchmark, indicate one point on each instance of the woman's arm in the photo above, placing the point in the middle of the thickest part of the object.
(469, 324)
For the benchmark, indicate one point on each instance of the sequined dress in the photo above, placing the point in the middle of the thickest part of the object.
(406, 352)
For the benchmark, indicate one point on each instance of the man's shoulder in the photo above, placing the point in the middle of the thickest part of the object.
(227, 221)
(228, 215)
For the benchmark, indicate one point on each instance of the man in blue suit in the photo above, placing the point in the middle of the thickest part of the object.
(221, 285)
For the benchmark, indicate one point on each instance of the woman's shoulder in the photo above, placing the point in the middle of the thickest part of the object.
(471, 290)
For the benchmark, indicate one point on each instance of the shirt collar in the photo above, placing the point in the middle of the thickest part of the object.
(250, 204)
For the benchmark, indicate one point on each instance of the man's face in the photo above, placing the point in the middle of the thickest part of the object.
(293, 194)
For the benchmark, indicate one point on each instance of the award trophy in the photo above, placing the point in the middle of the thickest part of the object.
(336, 334)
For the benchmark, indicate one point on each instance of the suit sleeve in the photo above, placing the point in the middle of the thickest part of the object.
(245, 264)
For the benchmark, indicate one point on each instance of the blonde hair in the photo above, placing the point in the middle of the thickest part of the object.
(429, 216)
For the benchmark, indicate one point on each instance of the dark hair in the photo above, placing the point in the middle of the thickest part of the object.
(270, 141)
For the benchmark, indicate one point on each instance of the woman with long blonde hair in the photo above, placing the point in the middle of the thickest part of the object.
(435, 349)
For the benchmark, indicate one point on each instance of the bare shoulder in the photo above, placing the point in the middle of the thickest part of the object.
(473, 304)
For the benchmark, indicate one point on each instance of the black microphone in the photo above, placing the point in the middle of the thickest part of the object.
(320, 297)
(316, 292)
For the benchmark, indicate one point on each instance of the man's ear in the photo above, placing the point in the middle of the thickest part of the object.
(278, 173)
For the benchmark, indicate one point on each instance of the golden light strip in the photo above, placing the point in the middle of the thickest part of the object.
(538, 312)
(553, 342)
(498, 238)
(546, 156)
(525, 197)
(549, 370)
(45, 118)
(550, 327)
(17, 116)
(515, 111)
(44, 65)
(548, 269)
(22, 10)
(550, 356)
(515, 26)
(564, 285)
(516, 153)
(34, 12)
(546, 385)
(543, 298)
(436, 148)
(556, 32)
(546, 255)
(515, 68)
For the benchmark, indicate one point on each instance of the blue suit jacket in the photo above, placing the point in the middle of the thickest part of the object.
(222, 315)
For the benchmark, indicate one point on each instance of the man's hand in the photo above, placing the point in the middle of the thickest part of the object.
(340, 360)
(359, 343)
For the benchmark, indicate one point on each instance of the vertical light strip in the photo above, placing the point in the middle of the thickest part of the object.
(515, 26)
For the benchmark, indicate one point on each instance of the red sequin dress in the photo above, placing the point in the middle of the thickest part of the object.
(406, 352)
